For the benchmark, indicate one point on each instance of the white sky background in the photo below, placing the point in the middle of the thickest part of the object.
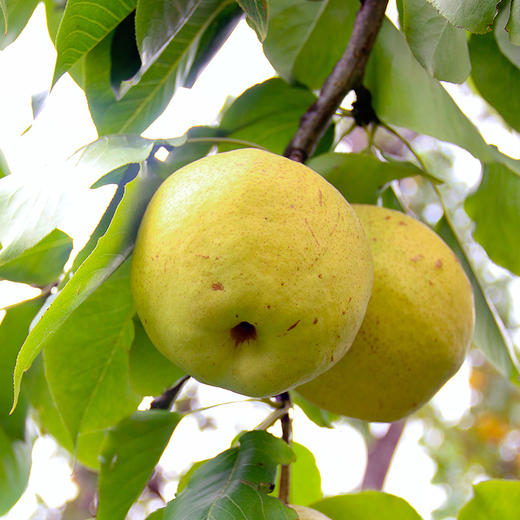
(64, 125)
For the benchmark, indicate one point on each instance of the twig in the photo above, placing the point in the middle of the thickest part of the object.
(165, 400)
(286, 422)
(346, 75)
(380, 455)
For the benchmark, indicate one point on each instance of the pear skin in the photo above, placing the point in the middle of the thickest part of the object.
(417, 328)
(251, 272)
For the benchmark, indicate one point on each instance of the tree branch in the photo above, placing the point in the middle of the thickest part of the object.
(347, 75)
(380, 455)
(286, 421)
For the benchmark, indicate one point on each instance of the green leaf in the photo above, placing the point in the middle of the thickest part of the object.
(490, 335)
(185, 477)
(360, 177)
(503, 36)
(305, 481)
(266, 114)
(112, 249)
(440, 48)
(15, 464)
(86, 360)
(404, 94)
(32, 210)
(493, 499)
(16, 14)
(317, 415)
(130, 453)
(513, 24)
(474, 15)
(4, 167)
(493, 74)
(150, 372)
(50, 421)
(83, 26)
(367, 505)
(235, 483)
(41, 264)
(13, 330)
(306, 39)
(157, 515)
(495, 209)
(257, 12)
(143, 98)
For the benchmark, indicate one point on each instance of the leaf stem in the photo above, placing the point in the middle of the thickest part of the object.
(165, 400)
(286, 421)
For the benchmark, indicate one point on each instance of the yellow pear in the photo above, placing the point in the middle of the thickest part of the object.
(417, 328)
(306, 513)
(251, 272)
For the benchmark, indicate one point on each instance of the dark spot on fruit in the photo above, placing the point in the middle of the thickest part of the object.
(374, 240)
(430, 282)
(315, 321)
(438, 263)
(242, 332)
(401, 223)
(268, 306)
(217, 286)
(343, 313)
(417, 258)
(283, 283)
(320, 276)
(293, 325)
(321, 198)
(203, 256)
(349, 299)
(388, 217)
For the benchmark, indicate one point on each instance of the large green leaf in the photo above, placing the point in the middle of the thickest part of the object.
(18, 13)
(492, 500)
(305, 481)
(440, 47)
(13, 330)
(130, 453)
(236, 483)
(490, 335)
(33, 207)
(257, 12)
(495, 209)
(112, 249)
(50, 421)
(41, 264)
(367, 505)
(15, 464)
(150, 372)
(142, 99)
(493, 74)
(306, 39)
(86, 360)
(404, 94)
(474, 15)
(83, 26)
(360, 177)
(266, 114)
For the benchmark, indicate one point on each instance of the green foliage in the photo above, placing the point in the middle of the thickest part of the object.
(493, 499)
(130, 452)
(88, 360)
(368, 505)
(236, 483)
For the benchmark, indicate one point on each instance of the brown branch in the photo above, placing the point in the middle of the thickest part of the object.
(347, 75)
(380, 456)
(285, 474)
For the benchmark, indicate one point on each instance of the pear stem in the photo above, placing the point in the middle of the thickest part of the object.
(347, 75)
(286, 422)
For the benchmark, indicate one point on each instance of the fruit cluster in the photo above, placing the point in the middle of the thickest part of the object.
(252, 273)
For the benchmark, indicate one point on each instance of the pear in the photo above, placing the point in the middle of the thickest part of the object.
(417, 328)
(251, 272)
(306, 513)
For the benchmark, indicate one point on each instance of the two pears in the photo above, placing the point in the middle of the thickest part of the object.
(251, 272)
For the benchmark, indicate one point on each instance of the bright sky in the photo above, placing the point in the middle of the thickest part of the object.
(64, 126)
